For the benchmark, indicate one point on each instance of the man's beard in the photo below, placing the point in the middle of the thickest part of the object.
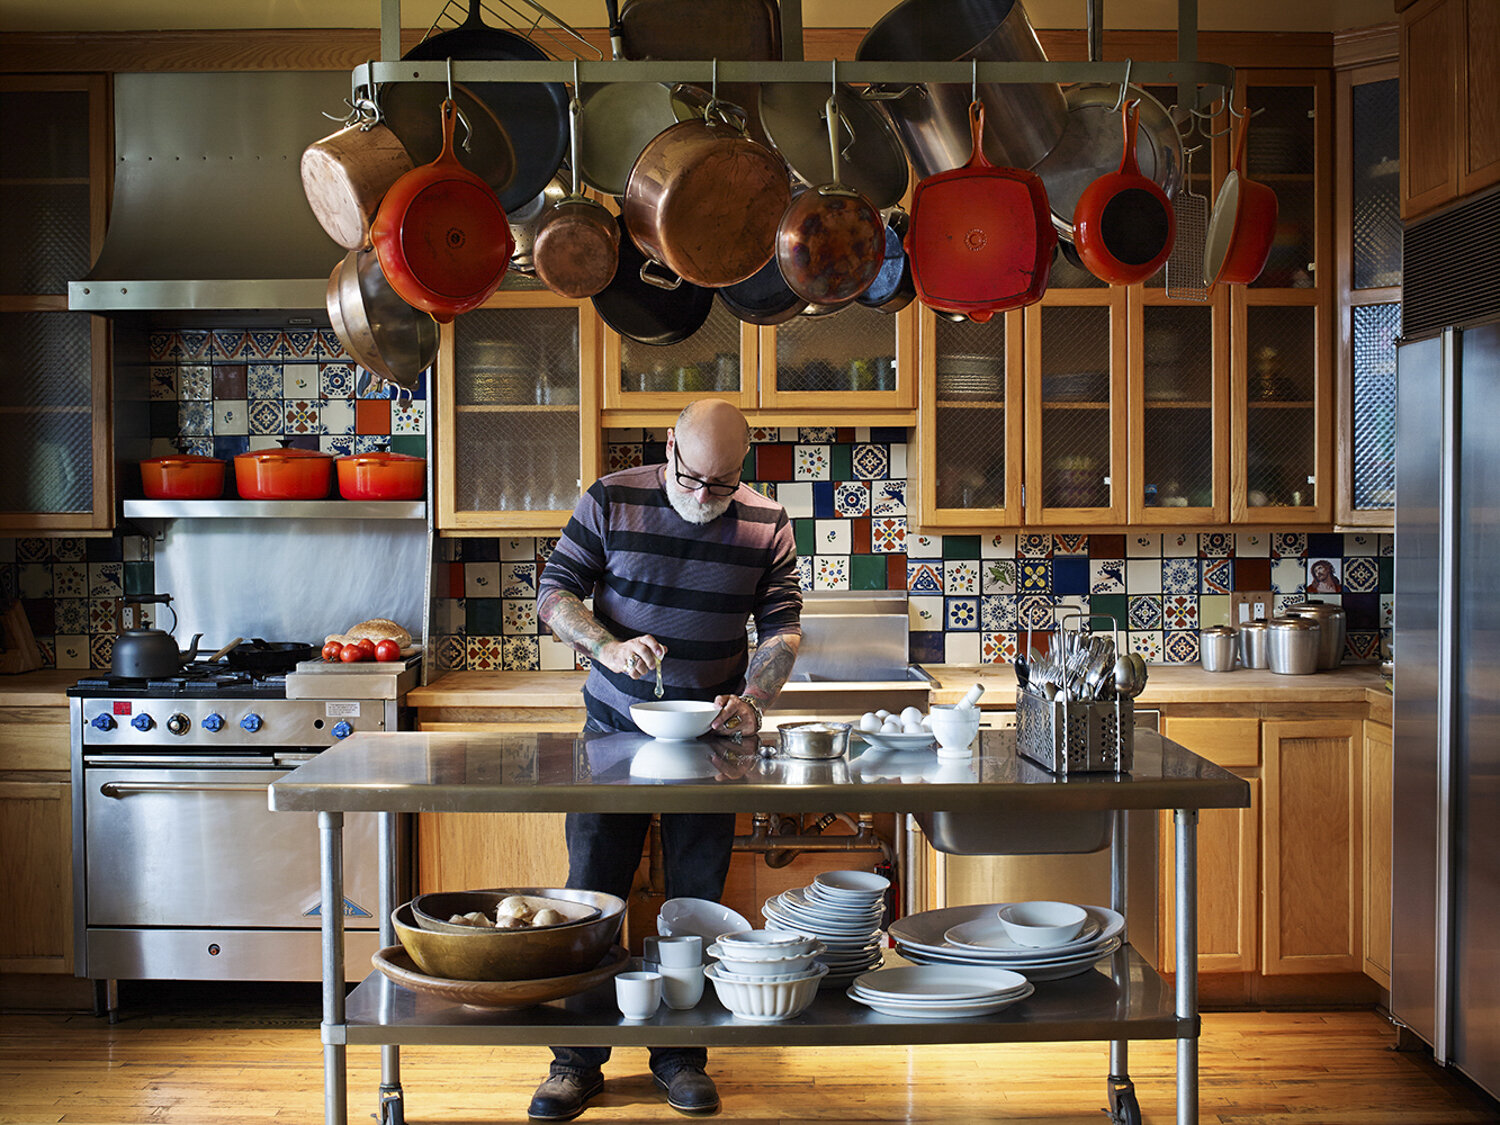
(688, 507)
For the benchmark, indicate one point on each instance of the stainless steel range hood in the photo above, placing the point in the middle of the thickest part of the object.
(208, 211)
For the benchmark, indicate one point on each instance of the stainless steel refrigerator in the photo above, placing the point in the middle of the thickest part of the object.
(1445, 929)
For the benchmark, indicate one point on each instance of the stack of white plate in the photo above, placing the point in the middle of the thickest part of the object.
(973, 936)
(939, 991)
(842, 909)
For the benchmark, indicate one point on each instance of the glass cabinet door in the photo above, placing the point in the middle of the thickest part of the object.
(719, 360)
(1179, 409)
(518, 411)
(55, 465)
(1369, 240)
(1076, 425)
(855, 360)
(970, 422)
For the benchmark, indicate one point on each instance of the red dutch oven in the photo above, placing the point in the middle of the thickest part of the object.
(441, 235)
(1243, 224)
(981, 237)
(283, 474)
(382, 476)
(186, 476)
(1124, 226)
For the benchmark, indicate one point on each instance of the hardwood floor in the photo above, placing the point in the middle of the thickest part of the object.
(189, 1058)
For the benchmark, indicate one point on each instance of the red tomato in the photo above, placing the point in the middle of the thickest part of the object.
(350, 653)
(366, 646)
(332, 650)
(387, 650)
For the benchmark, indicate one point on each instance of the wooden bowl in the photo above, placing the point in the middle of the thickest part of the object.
(398, 965)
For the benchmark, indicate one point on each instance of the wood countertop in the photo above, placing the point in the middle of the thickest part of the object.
(46, 687)
(1169, 683)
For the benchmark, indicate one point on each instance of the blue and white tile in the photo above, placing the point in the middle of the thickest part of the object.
(1143, 545)
(1216, 544)
(796, 497)
(301, 343)
(1036, 612)
(804, 572)
(811, 462)
(1252, 545)
(1361, 573)
(1000, 545)
(1387, 545)
(299, 380)
(1280, 603)
(266, 415)
(520, 654)
(518, 579)
(924, 576)
(1144, 611)
(1181, 647)
(1218, 576)
(1070, 545)
(961, 577)
(814, 435)
(200, 445)
(1288, 544)
(888, 498)
(263, 380)
(195, 383)
(925, 612)
(337, 415)
(517, 547)
(1179, 545)
(1033, 546)
(1288, 576)
(888, 535)
(998, 576)
(195, 419)
(340, 445)
(1362, 543)
(196, 344)
(71, 615)
(870, 461)
(1143, 576)
(1179, 575)
(833, 537)
(162, 383)
(336, 380)
(267, 343)
(961, 648)
(997, 612)
(302, 416)
(924, 546)
(69, 549)
(482, 580)
(329, 346)
(961, 613)
(851, 499)
(1106, 576)
(231, 417)
(230, 343)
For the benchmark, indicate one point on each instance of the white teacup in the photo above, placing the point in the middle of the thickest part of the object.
(954, 727)
(638, 994)
(682, 987)
(680, 951)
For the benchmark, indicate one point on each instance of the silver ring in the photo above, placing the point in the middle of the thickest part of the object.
(632, 663)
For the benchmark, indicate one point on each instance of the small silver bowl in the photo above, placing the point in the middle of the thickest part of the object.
(817, 741)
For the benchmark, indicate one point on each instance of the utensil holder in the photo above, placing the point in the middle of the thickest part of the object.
(1068, 736)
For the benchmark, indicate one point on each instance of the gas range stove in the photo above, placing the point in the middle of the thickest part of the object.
(190, 681)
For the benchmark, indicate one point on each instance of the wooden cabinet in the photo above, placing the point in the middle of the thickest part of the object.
(1378, 804)
(1312, 884)
(1450, 123)
(36, 841)
(517, 434)
(1368, 285)
(857, 363)
(56, 471)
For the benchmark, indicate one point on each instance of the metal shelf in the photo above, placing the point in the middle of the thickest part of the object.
(277, 509)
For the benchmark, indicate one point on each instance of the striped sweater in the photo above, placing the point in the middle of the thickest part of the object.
(691, 586)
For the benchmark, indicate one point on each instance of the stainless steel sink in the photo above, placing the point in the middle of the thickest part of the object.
(986, 833)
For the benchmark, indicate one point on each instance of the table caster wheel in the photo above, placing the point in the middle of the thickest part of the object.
(1124, 1109)
(392, 1107)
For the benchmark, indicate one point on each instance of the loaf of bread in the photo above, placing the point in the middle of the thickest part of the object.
(376, 628)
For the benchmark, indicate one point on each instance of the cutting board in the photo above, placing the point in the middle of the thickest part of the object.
(336, 668)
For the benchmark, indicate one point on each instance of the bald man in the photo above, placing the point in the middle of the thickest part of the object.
(677, 558)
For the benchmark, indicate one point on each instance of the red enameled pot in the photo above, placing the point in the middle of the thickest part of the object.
(186, 476)
(283, 474)
(382, 476)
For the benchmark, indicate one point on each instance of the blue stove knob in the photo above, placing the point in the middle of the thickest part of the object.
(251, 722)
(104, 722)
(143, 721)
(213, 721)
(342, 729)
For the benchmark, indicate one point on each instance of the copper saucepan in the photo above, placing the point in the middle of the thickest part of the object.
(346, 174)
(577, 246)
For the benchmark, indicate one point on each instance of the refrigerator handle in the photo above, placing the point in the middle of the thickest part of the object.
(1448, 513)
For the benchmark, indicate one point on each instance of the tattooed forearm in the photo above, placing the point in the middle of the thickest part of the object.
(770, 666)
(571, 623)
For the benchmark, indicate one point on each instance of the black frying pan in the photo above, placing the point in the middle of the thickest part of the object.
(533, 114)
(762, 298)
(647, 313)
(893, 289)
(267, 656)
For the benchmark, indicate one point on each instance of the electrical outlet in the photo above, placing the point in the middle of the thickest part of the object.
(1251, 605)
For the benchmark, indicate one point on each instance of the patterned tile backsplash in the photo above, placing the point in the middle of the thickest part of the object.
(972, 598)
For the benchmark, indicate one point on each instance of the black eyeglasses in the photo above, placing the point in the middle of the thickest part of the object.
(693, 484)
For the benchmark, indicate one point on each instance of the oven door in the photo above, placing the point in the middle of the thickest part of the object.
(200, 847)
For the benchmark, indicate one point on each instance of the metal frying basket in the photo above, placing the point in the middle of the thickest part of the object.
(1184, 280)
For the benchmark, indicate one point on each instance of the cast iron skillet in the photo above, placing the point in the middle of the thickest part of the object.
(762, 298)
(534, 114)
(267, 656)
(646, 313)
(893, 289)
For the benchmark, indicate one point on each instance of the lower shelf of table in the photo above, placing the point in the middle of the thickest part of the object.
(1123, 997)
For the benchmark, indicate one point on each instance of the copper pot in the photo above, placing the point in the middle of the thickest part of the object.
(346, 174)
(704, 200)
(577, 245)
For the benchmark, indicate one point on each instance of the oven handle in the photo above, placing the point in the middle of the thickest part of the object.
(125, 788)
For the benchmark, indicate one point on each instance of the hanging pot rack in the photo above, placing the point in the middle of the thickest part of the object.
(1198, 83)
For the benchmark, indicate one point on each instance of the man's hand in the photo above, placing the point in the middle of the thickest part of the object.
(573, 624)
(735, 716)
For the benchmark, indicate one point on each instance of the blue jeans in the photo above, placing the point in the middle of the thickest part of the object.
(604, 850)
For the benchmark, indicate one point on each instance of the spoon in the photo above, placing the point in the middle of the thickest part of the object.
(660, 691)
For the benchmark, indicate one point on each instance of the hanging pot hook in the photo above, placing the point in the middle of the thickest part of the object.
(713, 92)
(459, 112)
(974, 81)
(1124, 86)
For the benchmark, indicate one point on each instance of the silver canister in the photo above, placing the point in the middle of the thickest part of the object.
(1331, 620)
(1216, 648)
(1292, 645)
(1253, 641)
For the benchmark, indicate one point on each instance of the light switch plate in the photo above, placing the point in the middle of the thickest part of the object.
(1250, 605)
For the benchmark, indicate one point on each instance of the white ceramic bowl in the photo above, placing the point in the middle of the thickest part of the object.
(765, 1001)
(700, 916)
(1041, 923)
(761, 967)
(852, 884)
(764, 945)
(673, 718)
(954, 727)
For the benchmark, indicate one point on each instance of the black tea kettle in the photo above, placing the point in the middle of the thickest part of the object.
(149, 653)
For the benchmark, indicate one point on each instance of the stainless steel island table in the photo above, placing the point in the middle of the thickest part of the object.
(995, 797)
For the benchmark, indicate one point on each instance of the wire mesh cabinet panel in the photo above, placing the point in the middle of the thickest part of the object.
(518, 400)
(55, 467)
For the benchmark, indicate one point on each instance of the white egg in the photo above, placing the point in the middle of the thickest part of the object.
(869, 721)
(913, 728)
(910, 715)
(891, 726)
(883, 714)
(926, 722)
